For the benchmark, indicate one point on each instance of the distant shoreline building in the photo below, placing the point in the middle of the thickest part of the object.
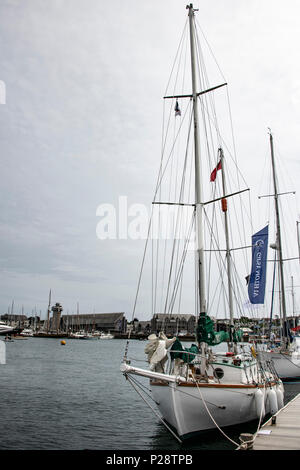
(14, 318)
(113, 322)
(173, 324)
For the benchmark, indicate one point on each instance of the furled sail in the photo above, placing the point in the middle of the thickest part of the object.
(186, 354)
(206, 333)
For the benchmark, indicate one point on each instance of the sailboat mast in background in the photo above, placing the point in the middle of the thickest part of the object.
(48, 312)
(279, 244)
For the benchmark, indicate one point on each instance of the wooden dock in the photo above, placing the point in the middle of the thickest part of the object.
(282, 431)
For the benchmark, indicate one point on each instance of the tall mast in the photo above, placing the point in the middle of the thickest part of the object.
(297, 223)
(224, 208)
(293, 301)
(278, 242)
(48, 312)
(198, 188)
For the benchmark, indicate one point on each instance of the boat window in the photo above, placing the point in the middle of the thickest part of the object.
(218, 373)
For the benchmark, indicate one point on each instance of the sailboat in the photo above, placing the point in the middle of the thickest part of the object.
(286, 356)
(198, 388)
(5, 329)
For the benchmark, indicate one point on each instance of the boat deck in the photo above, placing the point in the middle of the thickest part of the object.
(285, 433)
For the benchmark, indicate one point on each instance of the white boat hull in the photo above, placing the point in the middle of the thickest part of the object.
(6, 330)
(184, 407)
(286, 365)
(190, 406)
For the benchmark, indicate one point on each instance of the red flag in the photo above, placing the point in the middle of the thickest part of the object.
(297, 328)
(213, 174)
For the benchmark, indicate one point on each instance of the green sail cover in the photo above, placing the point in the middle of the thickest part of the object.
(206, 333)
(186, 354)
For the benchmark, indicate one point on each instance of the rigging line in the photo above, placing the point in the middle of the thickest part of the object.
(176, 228)
(171, 172)
(186, 222)
(239, 300)
(286, 212)
(177, 255)
(142, 265)
(203, 80)
(240, 216)
(203, 72)
(210, 97)
(160, 170)
(231, 124)
(181, 212)
(217, 289)
(221, 262)
(170, 109)
(182, 88)
(223, 76)
(239, 290)
(177, 53)
(188, 240)
(213, 222)
(234, 209)
(211, 416)
(240, 227)
(224, 145)
(196, 274)
(158, 183)
(156, 264)
(221, 289)
(181, 194)
(158, 188)
(209, 265)
(180, 294)
(152, 271)
(288, 359)
(146, 390)
(170, 275)
(154, 411)
(186, 243)
(272, 298)
(163, 144)
(210, 49)
(234, 286)
(207, 127)
(180, 270)
(246, 258)
(171, 152)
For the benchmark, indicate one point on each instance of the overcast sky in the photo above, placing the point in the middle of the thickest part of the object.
(81, 126)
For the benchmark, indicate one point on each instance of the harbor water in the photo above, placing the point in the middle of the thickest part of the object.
(74, 397)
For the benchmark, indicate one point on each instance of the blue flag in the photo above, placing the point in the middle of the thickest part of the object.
(257, 282)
